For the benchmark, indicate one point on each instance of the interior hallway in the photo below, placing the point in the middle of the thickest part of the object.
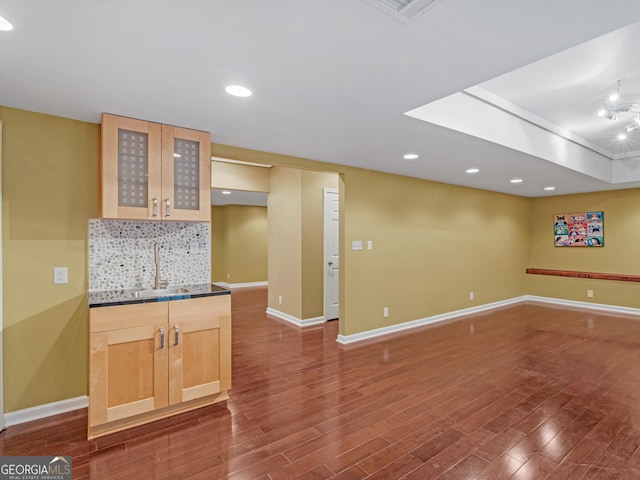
(524, 392)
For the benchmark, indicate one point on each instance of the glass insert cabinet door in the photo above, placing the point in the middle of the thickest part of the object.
(151, 171)
(186, 174)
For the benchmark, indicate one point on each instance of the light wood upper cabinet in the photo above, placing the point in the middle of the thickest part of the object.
(152, 360)
(150, 171)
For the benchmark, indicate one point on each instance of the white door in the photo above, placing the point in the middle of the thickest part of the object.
(2, 421)
(331, 254)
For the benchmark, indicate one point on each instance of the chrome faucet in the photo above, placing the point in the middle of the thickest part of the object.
(158, 283)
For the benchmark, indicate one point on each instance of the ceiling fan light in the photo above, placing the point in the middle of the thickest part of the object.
(615, 95)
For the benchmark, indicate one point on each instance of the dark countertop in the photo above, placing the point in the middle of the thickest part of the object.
(124, 297)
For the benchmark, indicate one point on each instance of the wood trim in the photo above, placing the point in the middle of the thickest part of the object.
(126, 423)
(198, 313)
(128, 316)
(167, 177)
(199, 391)
(131, 335)
(176, 364)
(620, 277)
(130, 409)
(205, 177)
(223, 312)
(109, 167)
(98, 378)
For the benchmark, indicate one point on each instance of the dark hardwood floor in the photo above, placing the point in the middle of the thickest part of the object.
(524, 392)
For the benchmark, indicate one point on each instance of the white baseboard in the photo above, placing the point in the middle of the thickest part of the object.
(421, 322)
(358, 337)
(46, 410)
(241, 285)
(294, 320)
(587, 305)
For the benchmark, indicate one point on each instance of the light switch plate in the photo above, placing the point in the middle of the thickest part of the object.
(356, 245)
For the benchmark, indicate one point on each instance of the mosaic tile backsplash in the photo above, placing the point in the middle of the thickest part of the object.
(121, 253)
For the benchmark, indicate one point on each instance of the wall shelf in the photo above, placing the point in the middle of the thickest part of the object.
(620, 277)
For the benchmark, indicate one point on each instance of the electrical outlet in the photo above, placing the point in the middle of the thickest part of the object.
(470, 295)
(60, 275)
(590, 293)
(279, 299)
(385, 312)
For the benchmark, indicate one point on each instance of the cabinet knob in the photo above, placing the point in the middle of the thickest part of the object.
(167, 206)
(155, 207)
(161, 337)
(176, 331)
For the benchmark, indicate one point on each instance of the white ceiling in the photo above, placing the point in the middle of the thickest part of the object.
(332, 80)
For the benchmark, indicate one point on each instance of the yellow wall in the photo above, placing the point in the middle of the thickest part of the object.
(239, 244)
(433, 244)
(284, 212)
(49, 192)
(239, 177)
(620, 253)
(219, 233)
(296, 241)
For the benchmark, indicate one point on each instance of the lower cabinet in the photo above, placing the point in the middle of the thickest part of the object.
(152, 360)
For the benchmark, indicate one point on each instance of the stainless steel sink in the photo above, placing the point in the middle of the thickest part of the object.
(160, 292)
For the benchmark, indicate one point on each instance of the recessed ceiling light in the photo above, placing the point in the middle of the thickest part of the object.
(550, 187)
(601, 112)
(238, 91)
(410, 156)
(472, 170)
(622, 136)
(516, 180)
(5, 25)
(226, 192)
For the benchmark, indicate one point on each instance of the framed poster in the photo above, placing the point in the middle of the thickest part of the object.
(581, 229)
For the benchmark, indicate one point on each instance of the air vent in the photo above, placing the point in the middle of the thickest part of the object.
(404, 10)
